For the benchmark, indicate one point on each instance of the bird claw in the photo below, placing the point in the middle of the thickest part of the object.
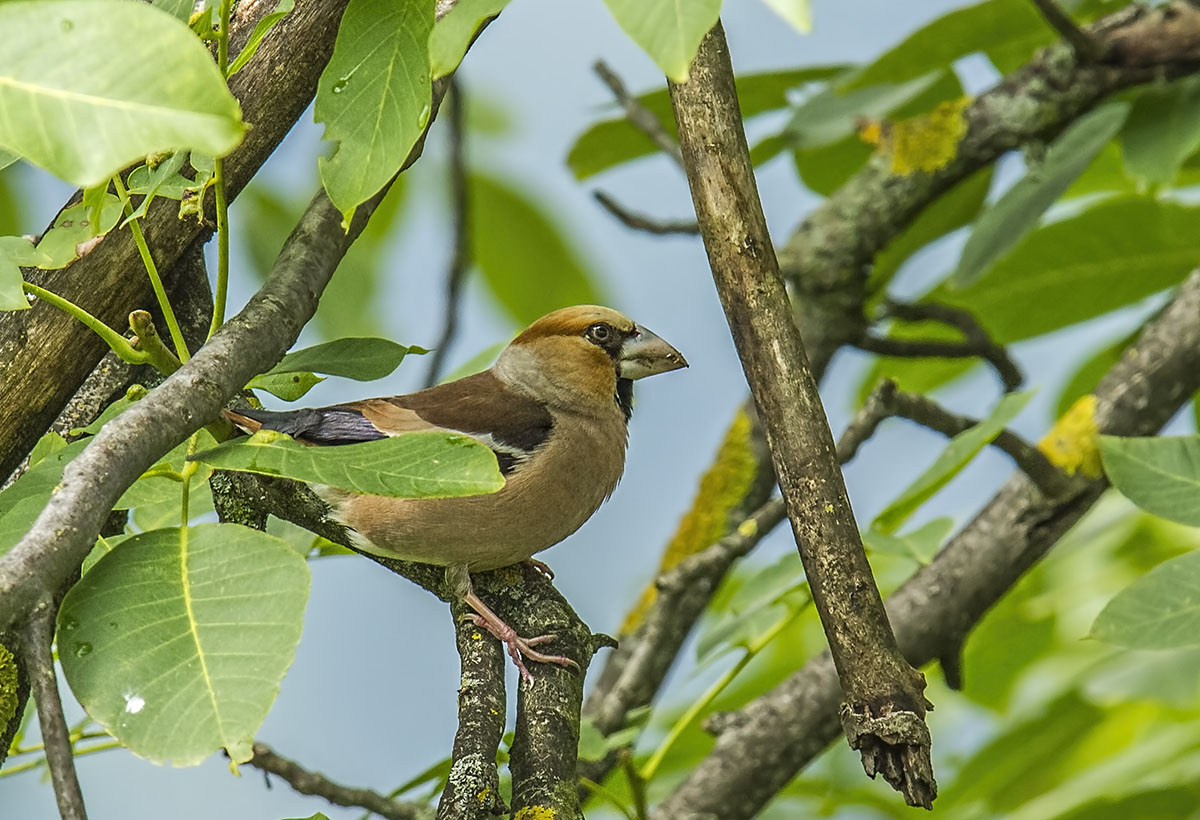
(520, 648)
(542, 567)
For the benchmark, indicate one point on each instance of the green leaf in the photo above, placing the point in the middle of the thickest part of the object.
(797, 13)
(669, 31)
(164, 178)
(830, 116)
(179, 9)
(286, 386)
(7, 158)
(177, 640)
(452, 35)
(916, 375)
(957, 455)
(1163, 130)
(47, 445)
(412, 465)
(1160, 474)
(361, 358)
(24, 499)
(1112, 255)
(947, 213)
(102, 548)
(164, 480)
(1009, 220)
(374, 96)
(82, 107)
(15, 252)
(614, 141)
(986, 26)
(136, 392)
(919, 545)
(72, 227)
(1160, 610)
(282, 9)
(525, 259)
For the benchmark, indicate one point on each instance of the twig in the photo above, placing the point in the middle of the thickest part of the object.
(473, 789)
(943, 601)
(56, 736)
(1087, 48)
(975, 334)
(640, 222)
(640, 117)
(460, 255)
(318, 785)
(885, 704)
(933, 349)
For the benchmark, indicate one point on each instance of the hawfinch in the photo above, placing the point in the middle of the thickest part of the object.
(554, 408)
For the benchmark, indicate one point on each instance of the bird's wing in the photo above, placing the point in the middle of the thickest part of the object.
(480, 406)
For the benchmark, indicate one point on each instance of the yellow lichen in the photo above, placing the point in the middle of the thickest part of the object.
(1071, 442)
(483, 796)
(721, 491)
(534, 813)
(8, 687)
(923, 143)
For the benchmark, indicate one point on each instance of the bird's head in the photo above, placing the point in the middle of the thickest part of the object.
(584, 355)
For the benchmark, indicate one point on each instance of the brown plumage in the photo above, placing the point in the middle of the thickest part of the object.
(554, 408)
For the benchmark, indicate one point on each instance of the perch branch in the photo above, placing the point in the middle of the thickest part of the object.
(885, 706)
(318, 785)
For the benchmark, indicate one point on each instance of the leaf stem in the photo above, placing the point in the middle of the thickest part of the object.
(222, 290)
(189, 470)
(119, 344)
(41, 761)
(160, 293)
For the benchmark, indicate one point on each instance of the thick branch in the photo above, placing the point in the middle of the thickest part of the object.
(473, 789)
(318, 785)
(37, 637)
(44, 354)
(828, 258)
(935, 610)
(885, 705)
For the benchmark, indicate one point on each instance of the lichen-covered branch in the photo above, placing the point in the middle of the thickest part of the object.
(885, 706)
(936, 608)
(318, 785)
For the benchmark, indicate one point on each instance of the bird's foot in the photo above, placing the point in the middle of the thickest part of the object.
(520, 648)
(542, 567)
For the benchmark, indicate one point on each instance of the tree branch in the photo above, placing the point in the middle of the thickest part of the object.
(318, 785)
(460, 255)
(473, 789)
(827, 259)
(885, 705)
(640, 222)
(639, 116)
(37, 637)
(1087, 48)
(935, 609)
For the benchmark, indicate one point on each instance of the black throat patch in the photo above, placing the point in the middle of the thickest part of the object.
(625, 396)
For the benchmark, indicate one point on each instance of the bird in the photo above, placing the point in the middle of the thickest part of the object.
(554, 408)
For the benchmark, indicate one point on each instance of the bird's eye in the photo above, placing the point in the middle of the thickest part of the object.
(599, 333)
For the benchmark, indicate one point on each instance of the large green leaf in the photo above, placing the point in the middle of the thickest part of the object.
(87, 88)
(1009, 220)
(413, 465)
(526, 260)
(452, 35)
(1160, 610)
(15, 252)
(73, 226)
(957, 455)
(1109, 256)
(361, 358)
(374, 96)
(176, 641)
(985, 26)
(1163, 130)
(1160, 474)
(614, 141)
(669, 31)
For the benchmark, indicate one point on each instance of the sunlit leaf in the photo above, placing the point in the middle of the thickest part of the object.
(1006, 223)
(73, 226)
(287, 386)
(957, 455)
(16, 252)
(412, 465)
(23, 500)
(1160, 610)
(1160, 474)
(374, 96)
(526, 260)
(919, 545)
(177, 640)
(797, 13)
(82, 109)
(669, 31)
(362, 358)
(452, 35)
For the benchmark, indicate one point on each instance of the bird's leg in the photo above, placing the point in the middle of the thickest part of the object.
(542, 567)
(517, 646)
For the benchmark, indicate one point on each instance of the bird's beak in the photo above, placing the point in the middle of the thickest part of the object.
(645, 354)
